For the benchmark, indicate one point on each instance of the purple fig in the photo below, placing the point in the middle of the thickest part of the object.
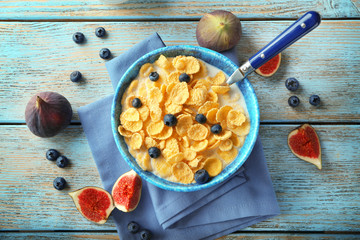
(219, 30)
(47, 113)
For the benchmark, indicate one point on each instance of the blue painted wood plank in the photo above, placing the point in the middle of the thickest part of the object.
(309, 199)
(39, 56)
(238, 236)
(171, 9)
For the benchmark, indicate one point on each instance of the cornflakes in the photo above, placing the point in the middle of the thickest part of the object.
(199, 146)
(155, 128)
(226, 145)
(197, 132)
(183, 124)
(182, 172)
(133, 126)
(220, 89)
(228, 156)
(213, 166)
(136, 141)
(207, 106)
(150, 142)
(188, 146)
(131, 115)
(219, 78)
(235, 118)
(211, 115)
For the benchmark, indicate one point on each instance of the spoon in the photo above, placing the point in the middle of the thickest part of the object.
(297, 30)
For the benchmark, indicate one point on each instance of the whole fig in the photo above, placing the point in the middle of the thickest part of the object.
(219, 30)
(47, 113)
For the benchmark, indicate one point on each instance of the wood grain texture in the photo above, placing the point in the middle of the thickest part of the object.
(171, 9)
(114, 236)
(39, 56)
(309, 199)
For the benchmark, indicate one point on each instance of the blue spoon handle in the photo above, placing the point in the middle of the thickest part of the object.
(298, 29)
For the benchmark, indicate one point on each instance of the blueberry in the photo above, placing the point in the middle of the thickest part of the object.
(314, 100)
(62, 161)
(184, 78)
(59, 183)
(100, 32)
(154, 152)
(292, 84)
(105, 53)
(202, 176)
(78, 37)
(294, 101)
(52, 154)
(133, 227)
(154, 76)
(145, 235)
(200, 118)
(216, 129)
(170, 120)
(136, 103)
(75, 76)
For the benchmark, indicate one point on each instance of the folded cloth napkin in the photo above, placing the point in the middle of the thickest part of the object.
(245, 199)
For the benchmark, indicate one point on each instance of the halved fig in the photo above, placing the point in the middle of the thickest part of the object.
(304, 143)
(94, 203)
(126, 191)
(270, 67)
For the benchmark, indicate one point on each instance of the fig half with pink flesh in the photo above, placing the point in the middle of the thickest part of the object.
(94, 203)
(126, 191)
(304, 143)
(270, 67)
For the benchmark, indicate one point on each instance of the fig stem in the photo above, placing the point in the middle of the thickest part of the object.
(39, 100)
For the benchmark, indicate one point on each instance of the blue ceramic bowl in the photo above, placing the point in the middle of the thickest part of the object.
(214, 58)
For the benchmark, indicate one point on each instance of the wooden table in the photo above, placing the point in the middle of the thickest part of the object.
(37, 54)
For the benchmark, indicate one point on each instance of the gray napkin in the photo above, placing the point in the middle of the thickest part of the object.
(243, 200)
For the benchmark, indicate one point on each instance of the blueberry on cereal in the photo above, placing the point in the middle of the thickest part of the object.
(216, 129)
(184, 78)
(200, 118)
(154, 152)
(202, 176)
(136, 103)
(154, 76)
(170, 120)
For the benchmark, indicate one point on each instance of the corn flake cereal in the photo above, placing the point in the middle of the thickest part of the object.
(131, 115)
(183, 124)
(235, 118)
(225, 134)
(124, 132)
(211, 115)
(213, 166)
(180, 93)
(199, 146)
(188, 146)
(177, 157)
(165, 133)
(182, 172)
(207, 106)
(226, 145)
(146, 69)
(133, 126)
(197, 132)
(228, 156)
(136, 141)
(220, 89)
(155, 128)
(150, 142)
(219, 78)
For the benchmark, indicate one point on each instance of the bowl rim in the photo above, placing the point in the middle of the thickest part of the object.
(157, 180)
